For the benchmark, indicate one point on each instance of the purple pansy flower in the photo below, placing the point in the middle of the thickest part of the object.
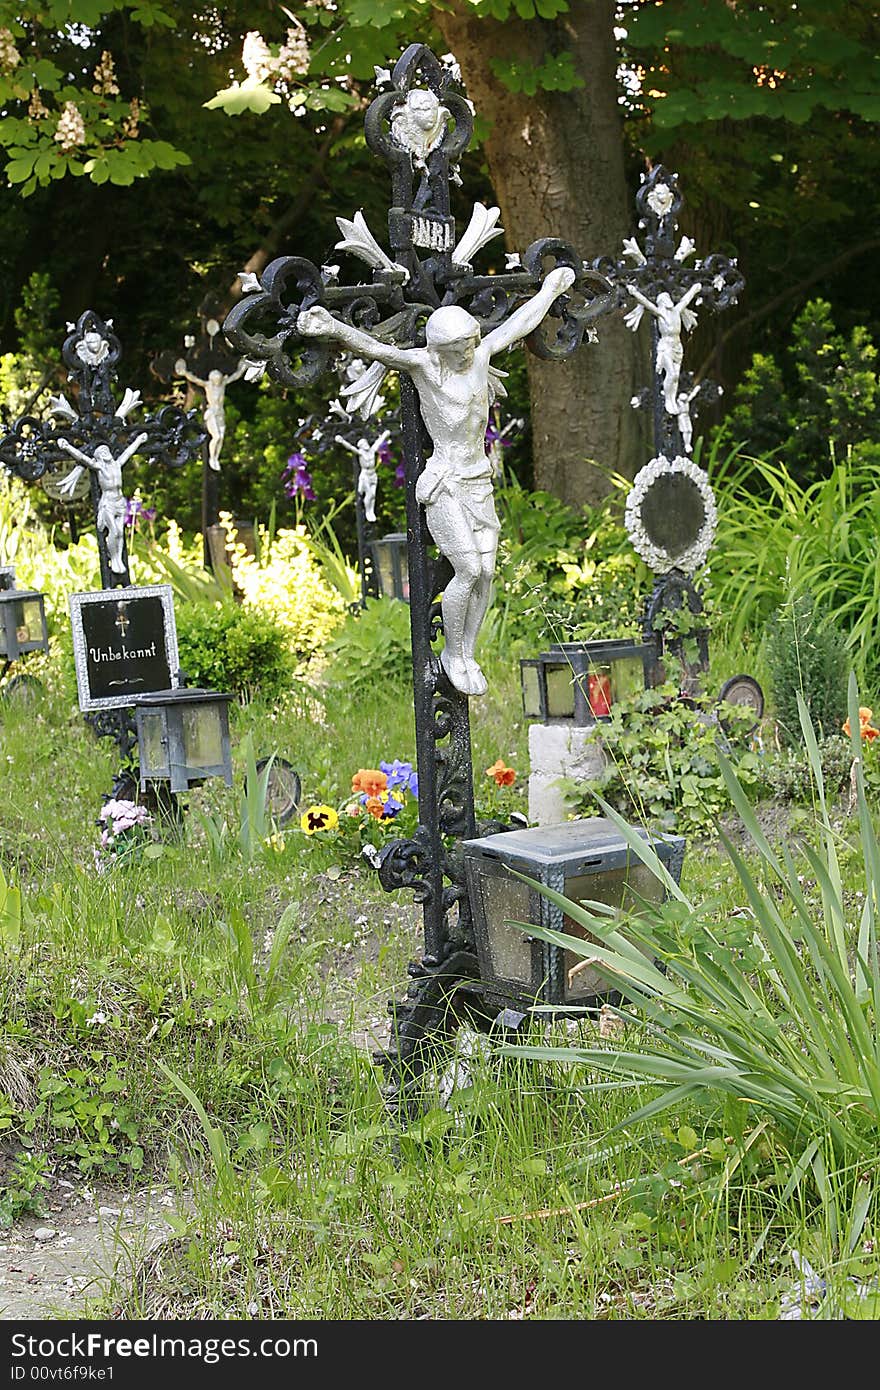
(401, 774)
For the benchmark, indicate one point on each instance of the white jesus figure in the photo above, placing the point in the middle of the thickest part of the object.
(672, 319)
(452, 375)
(368, 477)
(215, 413)
(110, 515)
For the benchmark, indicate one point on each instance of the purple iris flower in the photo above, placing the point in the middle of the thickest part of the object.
(383, 453)
(135, 508)
(299, 479)
(400, 475)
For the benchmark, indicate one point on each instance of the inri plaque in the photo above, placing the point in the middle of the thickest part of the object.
(124, 644)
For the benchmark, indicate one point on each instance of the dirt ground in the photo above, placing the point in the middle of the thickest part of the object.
(52, 1265)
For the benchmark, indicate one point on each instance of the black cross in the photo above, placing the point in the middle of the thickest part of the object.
(659, 259)
(419, 275)
(30, 448)
(204, 352)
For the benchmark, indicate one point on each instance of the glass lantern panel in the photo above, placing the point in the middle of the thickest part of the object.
(31, 629)
(599, 690)
(627, 677)
(510, 950)
(4, 649)
(202, 736)
(386, 570)
(560, 691)
(154, 745)
(531, 692)
(629, 888)
(403, 560)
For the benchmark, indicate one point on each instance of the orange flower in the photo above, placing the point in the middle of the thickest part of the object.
(504, 776)
(369, 780)
(374, 807)
(866, 728)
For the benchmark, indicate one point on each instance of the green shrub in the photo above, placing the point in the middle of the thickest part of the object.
(789, 776)
(825, 392)
(662, 764)
(806, 655)
(776, 537)
(225, 646)
(563, 575)
(372, 646)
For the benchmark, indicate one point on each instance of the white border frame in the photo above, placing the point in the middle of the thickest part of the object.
(77, 602)
(654, 555)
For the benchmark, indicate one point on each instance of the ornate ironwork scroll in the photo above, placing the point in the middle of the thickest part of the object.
(421, 124)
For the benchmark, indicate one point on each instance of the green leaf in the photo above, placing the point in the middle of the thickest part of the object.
(250, 95)
(17, 170)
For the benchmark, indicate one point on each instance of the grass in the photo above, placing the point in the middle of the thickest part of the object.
(208, 1016)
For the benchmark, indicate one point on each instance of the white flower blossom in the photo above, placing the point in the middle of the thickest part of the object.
(256, 56)
(9, 54)
(70, 131)
(105, 84)
(294, 56)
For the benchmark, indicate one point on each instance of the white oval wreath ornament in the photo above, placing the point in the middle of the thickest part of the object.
(654, 555)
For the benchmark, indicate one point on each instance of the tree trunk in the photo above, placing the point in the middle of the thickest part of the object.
(556, 161)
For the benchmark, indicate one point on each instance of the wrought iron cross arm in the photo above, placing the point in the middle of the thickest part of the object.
(173, 436)
(320, 323)
(590, 296)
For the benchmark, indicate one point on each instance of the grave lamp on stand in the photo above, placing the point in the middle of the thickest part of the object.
(582, 859)
(183, 737)
(22, 620)
(391, 564)
(580, 682)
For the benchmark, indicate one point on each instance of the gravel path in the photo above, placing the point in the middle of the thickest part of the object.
(53, 1265)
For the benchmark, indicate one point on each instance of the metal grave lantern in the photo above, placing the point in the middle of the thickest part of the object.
(582, 859)
(22, 619)
(183, 737)
(579, 682)
(391, 565)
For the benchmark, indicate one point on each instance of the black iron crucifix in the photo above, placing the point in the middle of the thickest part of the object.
(205, 362)
(96, 435)
(421, 124)
(660, 275)
(662, 263)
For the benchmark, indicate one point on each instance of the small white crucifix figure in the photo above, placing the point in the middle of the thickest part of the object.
(368, 477)
(214, 387)
(112, 505)
(673, 318)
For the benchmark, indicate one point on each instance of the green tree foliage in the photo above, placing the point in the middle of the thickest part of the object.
(715, 60)
(769, 112)
(821, 397)
(807, 657)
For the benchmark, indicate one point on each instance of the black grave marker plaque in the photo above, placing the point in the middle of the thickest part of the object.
(124, 644)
